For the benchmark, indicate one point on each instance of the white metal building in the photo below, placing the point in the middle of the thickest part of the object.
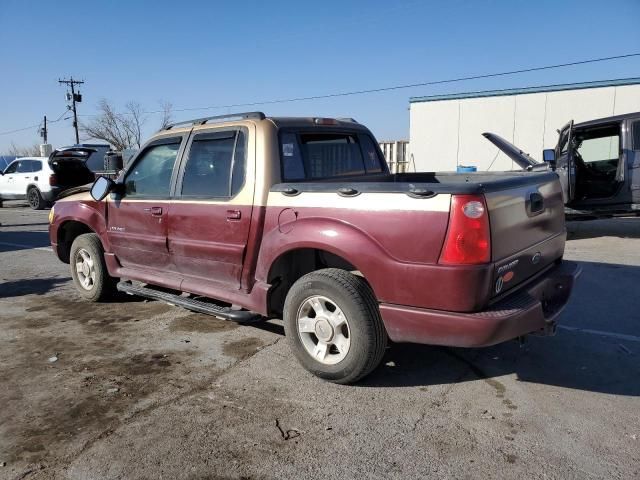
(446, 130)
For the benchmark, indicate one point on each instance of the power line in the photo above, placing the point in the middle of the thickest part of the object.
(59, 119)
(21, 129)
(398, 87)
(381, 89)
(412, 85)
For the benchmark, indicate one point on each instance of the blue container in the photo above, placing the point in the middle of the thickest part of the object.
(466, 169)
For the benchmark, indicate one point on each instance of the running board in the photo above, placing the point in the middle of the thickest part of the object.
(226, 313)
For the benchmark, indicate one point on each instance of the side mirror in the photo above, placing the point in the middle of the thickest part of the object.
(549, 155)
(101, 188)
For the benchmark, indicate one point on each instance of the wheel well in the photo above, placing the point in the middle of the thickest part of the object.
(292, 265)
(67, 233)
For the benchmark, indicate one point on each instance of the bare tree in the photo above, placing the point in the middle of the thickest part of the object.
(137, 119)
(167, 114)
(30, 151)
(121, 130)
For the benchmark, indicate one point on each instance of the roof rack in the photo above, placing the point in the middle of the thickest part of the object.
(347, 119)
(202, 121)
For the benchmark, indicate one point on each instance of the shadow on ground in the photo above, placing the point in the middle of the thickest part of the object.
(31, 286)
(23, 240)
(610, 227)
(41, 224)
(604, 300)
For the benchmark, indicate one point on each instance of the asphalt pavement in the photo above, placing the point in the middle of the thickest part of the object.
(137, 389)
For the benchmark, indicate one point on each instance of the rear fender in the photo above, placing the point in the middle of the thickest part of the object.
(333, 236)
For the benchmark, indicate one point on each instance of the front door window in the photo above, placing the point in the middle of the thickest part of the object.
(151, 175)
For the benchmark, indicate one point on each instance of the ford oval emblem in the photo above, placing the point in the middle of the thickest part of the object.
(536, 258)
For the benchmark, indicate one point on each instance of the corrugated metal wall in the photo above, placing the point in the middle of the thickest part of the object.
(447, 133)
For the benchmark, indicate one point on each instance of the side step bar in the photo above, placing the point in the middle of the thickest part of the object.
(240, 316)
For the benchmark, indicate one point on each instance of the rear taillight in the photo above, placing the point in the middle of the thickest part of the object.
(468, 239)
(53, 180)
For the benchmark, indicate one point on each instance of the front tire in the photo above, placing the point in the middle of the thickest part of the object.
(35, 199)
(333, 324)
(88, 269)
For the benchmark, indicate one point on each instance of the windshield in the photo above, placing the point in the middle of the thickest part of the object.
(5, 160)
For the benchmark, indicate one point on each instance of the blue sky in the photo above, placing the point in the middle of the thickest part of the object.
(203, 53)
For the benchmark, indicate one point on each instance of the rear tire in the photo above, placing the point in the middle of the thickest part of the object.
(34, 198)
(88, 269)
(333, 325)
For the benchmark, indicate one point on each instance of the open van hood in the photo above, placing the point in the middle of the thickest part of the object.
(523, 159)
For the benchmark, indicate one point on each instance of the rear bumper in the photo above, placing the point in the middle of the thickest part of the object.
(533, 309)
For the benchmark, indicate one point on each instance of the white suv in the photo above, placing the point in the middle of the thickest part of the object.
(30, 178)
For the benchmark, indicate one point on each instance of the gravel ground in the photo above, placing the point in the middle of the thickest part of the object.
(137, 389)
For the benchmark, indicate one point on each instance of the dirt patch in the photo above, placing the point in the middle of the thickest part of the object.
(36, 309)
(243, 348)
(79, 399)
(98, 317)
(199, 323)
(73, 378)
(77, 371)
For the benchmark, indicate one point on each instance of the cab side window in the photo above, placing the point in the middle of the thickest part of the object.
(215, 166)
(151, 174)
(292, 166)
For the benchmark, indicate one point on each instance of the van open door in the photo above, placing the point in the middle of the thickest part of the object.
(565, 163)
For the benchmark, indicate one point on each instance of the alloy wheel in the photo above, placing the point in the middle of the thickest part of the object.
(85, 268)
(324, 330)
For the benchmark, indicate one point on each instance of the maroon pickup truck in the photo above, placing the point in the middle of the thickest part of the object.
(249, 217)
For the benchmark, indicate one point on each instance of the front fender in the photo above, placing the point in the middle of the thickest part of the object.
(84, 210)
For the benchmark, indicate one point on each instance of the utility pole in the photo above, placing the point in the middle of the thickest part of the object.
(74, 98)
(43, 130)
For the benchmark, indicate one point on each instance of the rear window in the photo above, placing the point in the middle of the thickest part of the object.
(311, 156)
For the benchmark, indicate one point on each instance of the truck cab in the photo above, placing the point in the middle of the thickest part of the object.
(598, 163)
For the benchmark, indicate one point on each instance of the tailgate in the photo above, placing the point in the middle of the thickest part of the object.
(527, 230)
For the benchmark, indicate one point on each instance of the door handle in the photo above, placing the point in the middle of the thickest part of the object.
(155, 211)
(27, 178)
(234, 214)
